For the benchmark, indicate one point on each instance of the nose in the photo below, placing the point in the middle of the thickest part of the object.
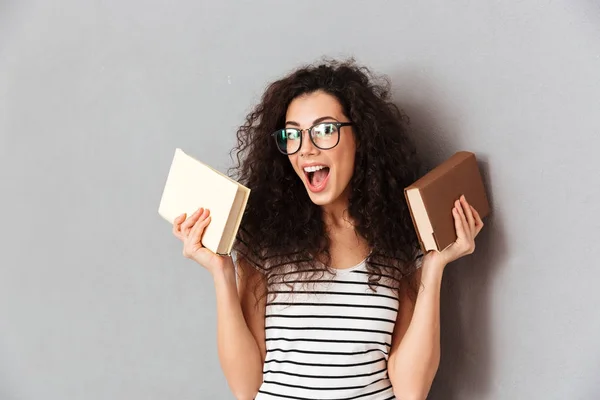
(307, 148)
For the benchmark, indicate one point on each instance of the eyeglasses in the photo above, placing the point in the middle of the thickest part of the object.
(324, 135)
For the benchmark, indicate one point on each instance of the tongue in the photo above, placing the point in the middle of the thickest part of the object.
(319, 176)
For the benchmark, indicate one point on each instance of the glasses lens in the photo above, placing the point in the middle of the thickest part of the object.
(325, 136)
(288, 140)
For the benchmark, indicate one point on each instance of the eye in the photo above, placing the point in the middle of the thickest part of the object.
(324, 130)
(291, 134)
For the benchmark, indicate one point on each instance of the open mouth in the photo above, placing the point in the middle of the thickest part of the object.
(317, 177)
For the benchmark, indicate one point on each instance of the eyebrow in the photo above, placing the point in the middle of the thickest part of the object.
(316, 121)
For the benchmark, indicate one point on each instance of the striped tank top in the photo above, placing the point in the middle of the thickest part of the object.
(329, 340)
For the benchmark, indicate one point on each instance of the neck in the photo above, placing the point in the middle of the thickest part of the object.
(335, 215)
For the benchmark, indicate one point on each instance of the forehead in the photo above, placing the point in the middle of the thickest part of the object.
(306, 108)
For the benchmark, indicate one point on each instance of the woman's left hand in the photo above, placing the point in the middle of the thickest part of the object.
(468, 224)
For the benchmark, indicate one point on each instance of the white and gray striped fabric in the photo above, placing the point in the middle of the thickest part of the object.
(330, 339)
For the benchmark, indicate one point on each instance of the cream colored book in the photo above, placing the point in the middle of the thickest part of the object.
(192, 184)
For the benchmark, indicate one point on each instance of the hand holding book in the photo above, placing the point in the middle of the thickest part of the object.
(445, 223)
(468, 224)
(190, 231)
(191, 184)
(208, 236)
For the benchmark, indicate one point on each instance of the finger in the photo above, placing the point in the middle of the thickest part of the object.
(477, 215)
(177, 221)
(463, 220)
(458, 224)
(177, 225)
(478, 221)
(196, 232)
(467, 211)
(187, 225)
(195, 238)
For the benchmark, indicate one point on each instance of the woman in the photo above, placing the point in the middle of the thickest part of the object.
(331, 299)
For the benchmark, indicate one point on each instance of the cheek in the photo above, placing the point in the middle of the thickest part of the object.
(347, 156)
(348, 169)
(294, 164)
(345, 167)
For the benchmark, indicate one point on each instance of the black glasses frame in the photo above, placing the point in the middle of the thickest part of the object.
(338, 125)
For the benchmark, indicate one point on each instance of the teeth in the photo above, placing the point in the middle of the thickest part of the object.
(314, 168)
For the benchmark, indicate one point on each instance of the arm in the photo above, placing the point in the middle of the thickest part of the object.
(240, 328)
(415, 354)
(240, 317)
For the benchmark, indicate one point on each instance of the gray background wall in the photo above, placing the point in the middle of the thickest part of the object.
(96, 301)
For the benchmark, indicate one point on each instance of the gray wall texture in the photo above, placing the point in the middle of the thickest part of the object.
(96, 301)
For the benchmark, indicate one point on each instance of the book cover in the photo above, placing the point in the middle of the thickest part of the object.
(431, 198)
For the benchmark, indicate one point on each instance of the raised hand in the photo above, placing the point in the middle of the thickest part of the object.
(190, 232)
(468, 224)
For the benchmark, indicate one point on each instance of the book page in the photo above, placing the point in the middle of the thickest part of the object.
(235, 217)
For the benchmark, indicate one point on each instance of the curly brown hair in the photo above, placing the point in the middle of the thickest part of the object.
(281, 226)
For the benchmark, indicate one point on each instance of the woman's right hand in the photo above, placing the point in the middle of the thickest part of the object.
(190, 231)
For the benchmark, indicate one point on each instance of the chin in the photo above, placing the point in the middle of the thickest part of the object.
(330, 195)
(321, 199)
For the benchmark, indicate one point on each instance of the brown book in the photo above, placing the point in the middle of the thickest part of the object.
(431, 199)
